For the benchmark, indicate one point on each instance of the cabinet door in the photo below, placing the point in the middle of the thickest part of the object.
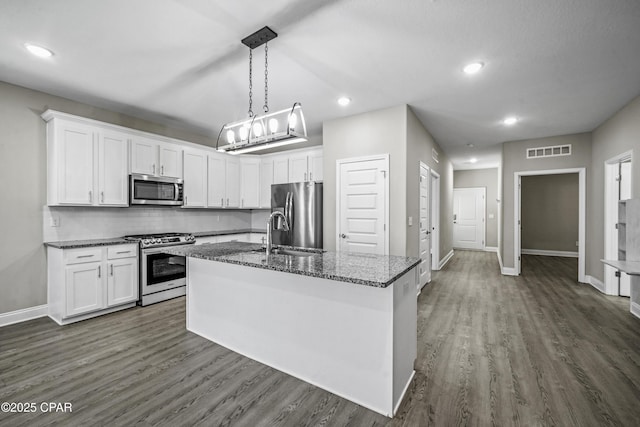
(266, 179)
(250, 183)
(113, 168)
(195, 179)
(84, 289)
(144, 156)
(233, 183)
(315, 166)
(75, 164)
(122, 281)
(216, 181)
(170, 160)
(298, 168)
(280, 170)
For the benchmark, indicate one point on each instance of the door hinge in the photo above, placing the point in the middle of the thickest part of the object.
(384, 173)
(518, 258)
(618, 178)
(618, 273)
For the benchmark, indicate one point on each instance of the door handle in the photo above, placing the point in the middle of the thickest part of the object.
(102, 196)
(99, 271)
(162, 170)
(344, 236)
(111, 269)
(154, 169)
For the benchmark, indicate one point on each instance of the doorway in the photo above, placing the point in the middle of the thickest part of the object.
(363, 209)
(517, 240)
(424, 228)
(468, 218)
(617, 186)
(435, 220)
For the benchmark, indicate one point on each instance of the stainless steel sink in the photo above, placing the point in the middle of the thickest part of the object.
(278, 251)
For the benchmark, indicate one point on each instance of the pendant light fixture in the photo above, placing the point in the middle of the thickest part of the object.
(270, 129)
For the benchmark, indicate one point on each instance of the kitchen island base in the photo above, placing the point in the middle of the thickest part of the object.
(356, 341)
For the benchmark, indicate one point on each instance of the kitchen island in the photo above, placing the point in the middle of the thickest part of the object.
(345, 322)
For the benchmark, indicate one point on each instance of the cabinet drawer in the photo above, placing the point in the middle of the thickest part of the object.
(123, 251)
(78, 256)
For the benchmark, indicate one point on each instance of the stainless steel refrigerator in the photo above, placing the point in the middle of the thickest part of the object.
(301, 204)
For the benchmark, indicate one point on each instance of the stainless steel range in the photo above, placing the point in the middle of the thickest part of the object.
(162, 276)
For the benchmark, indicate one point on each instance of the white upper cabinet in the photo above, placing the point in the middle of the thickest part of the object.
(195, 178)
(266, 179)
(156, 158)
(86, 165)
(250, 183)
(113, 158)
(170, 160)
(315, 165)
(306, 166)
(223, 181)
(280, 169)
(232, 182)
(298, 167)
(144, 156)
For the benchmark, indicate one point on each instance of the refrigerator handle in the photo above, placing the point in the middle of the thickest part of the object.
(287, 208)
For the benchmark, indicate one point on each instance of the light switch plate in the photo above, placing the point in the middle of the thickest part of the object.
(410, 220)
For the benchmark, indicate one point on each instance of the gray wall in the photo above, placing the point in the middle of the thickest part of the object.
(419, 146)
(487, 178)
(398, 132)
(376, 132)
(550, 212)
(618, 134)
(514, 159)
(23, 193)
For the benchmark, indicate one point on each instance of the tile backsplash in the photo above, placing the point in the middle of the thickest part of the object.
(77, 223)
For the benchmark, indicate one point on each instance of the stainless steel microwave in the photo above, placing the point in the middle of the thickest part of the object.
(153, 190)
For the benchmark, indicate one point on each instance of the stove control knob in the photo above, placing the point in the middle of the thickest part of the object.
(190, 238)
(156, 241)
(145, 242)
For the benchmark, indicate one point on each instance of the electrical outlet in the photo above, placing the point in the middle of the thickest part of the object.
(54, 221)
(577, 243)
(491, 216)
(218, 218)
(410, 220)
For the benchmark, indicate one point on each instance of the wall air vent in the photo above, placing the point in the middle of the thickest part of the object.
(554, 151)
(434, 155)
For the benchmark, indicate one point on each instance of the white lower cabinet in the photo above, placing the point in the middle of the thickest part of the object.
(88, 282)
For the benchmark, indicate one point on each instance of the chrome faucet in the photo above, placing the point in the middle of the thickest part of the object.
(285, 227)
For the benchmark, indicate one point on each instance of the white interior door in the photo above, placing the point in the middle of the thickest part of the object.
(625, 193)
(468, 218)
(362, 209)
(424, 226)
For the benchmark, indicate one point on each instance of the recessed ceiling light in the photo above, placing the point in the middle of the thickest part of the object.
(470, 145)
(473, 68)
(473, 160)
(512, 120)
(344, 101)
(38, 51)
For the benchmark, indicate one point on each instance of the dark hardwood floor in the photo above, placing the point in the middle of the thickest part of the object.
(539, 349)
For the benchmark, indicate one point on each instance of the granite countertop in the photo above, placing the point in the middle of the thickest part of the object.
(226, 232)
(72, 244)
(365, 269)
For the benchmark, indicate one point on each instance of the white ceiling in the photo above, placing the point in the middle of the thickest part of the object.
(561, 66)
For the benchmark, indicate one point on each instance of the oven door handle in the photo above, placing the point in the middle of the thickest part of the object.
(177, 192)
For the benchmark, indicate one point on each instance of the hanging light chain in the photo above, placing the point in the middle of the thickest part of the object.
(266, 78)
(250, 82)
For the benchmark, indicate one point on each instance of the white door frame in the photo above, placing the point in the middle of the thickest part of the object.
(339, 163)
(582, 210)
(611, 217)
(422, 165)
(435, 220)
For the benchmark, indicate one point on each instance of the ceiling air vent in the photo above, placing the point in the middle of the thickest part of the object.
(434, 155)
(554, 151)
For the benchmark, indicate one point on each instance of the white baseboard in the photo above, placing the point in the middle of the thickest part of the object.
(23, 315)
(565, 254)
(596, 283)
(508, 271)
(635, 309)
(500, 260)
(446, 259)
(490, 249)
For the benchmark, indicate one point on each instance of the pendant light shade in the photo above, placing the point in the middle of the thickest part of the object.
(268, 130)
(265, 131)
